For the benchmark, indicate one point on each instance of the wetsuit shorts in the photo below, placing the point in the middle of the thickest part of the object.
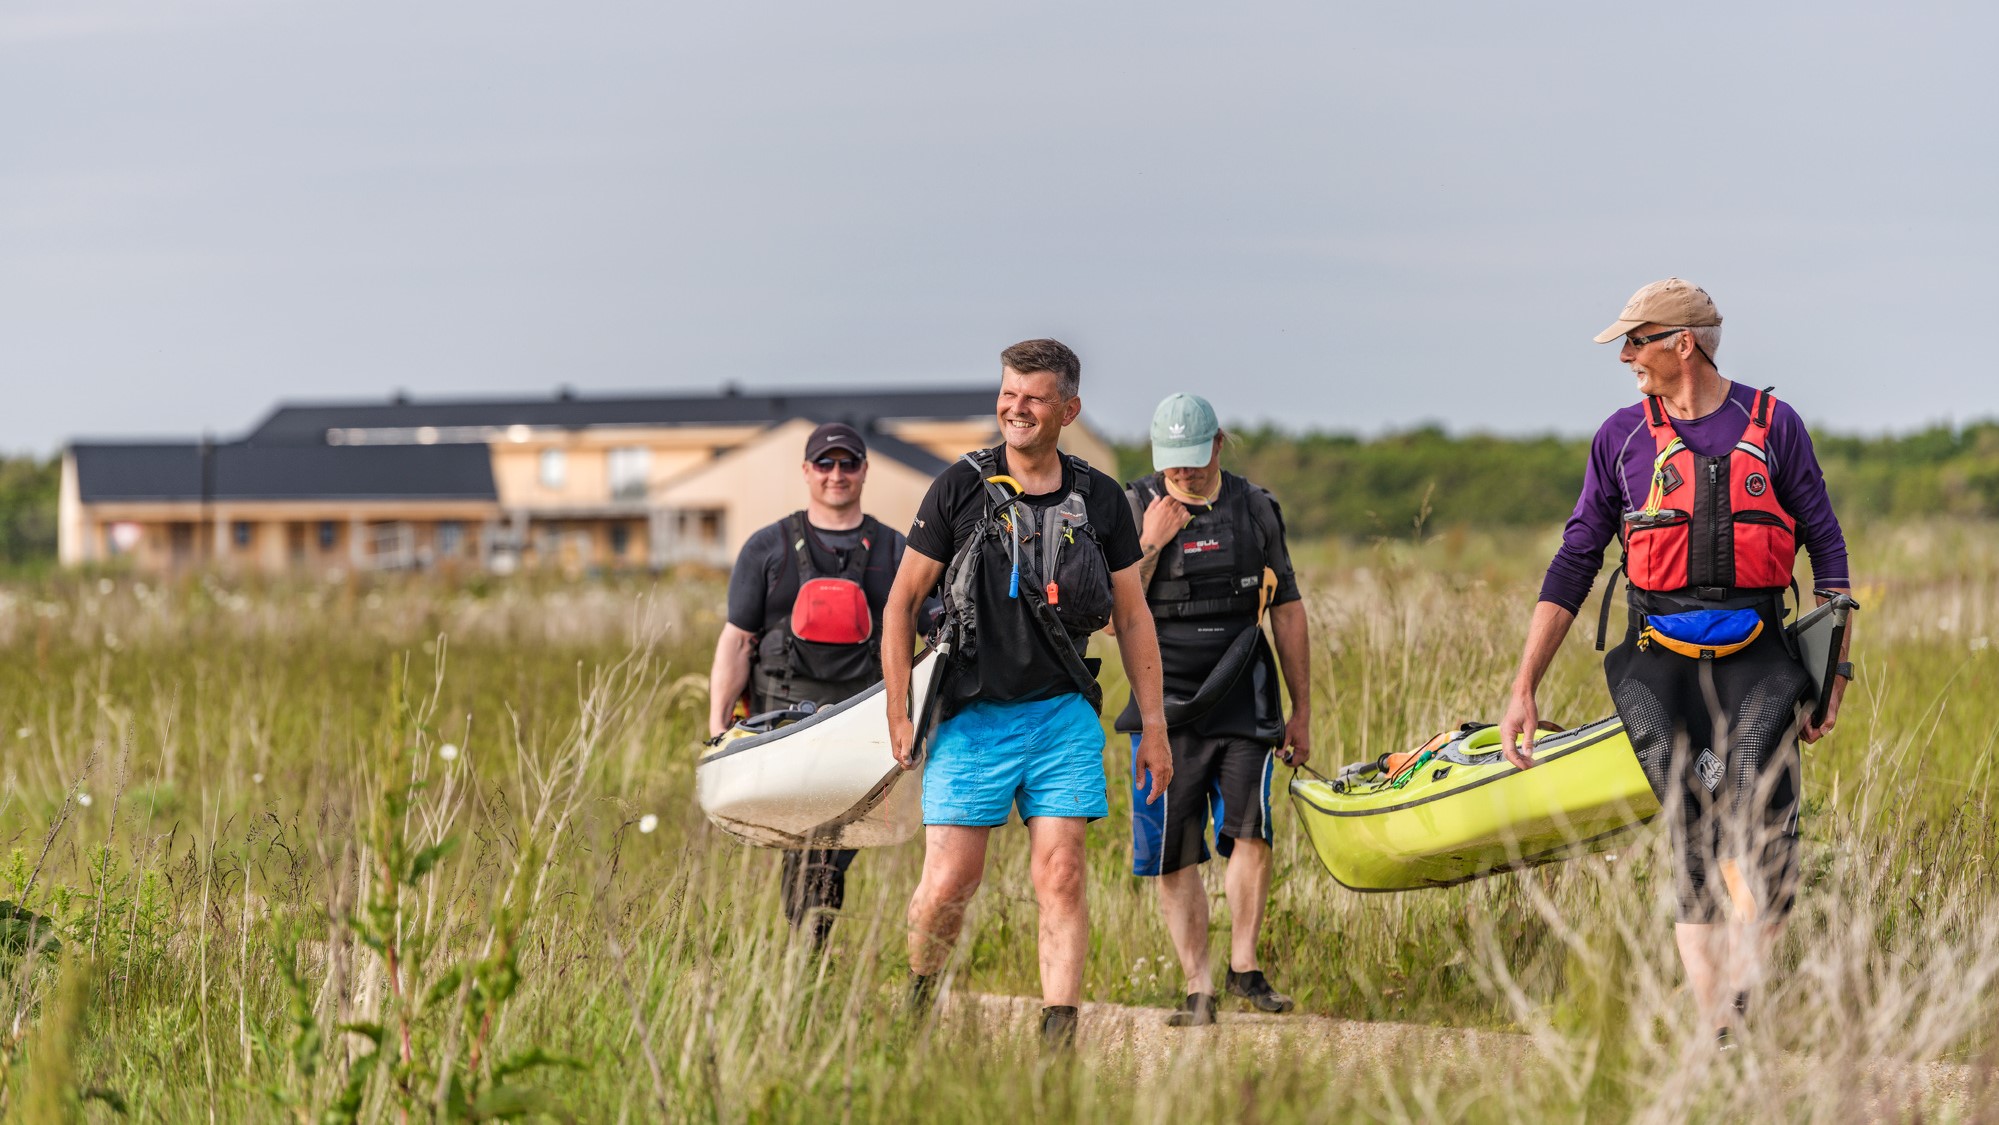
(1221, 780)
(1718, 740)
(1044, 757)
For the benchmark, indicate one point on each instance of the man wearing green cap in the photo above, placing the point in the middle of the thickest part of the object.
(1214, 561)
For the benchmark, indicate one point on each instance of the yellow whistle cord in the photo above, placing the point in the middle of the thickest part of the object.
(1656, 498)
(1189, 498)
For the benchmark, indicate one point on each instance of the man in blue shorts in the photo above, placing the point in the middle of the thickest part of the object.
(1041, 552)
(1710, 486)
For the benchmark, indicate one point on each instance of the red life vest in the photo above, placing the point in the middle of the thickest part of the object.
(1727, 532)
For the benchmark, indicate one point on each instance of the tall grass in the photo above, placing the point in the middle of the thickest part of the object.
(381, 852)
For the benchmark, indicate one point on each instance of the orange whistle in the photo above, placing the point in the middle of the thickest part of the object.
(1054, 594)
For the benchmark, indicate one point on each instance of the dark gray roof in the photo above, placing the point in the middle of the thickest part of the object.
(896, 449)
(308, 423)
(169, 472)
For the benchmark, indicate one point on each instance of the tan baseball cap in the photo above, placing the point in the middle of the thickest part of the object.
(1672, 303)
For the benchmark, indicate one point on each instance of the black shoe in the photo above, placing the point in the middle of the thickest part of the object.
(1723, 1041)
(1197, 1011)
(1741, 1003)
(922, 996)
(1058, 1028)
(1252, 987)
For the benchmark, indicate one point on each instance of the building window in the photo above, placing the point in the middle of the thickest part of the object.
(124, 537)
(450, 538)
(240, 533)
(621, 538)
(329, 533)
(554, 468)
(628, 467)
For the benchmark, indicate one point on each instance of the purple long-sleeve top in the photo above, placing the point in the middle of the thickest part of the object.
(1620, 474)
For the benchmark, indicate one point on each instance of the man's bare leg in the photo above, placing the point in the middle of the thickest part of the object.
(1183, 899)
(1056, 844)
(954, 860)
(1702, 954)
(1248, 886)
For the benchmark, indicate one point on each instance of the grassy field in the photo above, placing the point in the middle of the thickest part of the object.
(416, 851)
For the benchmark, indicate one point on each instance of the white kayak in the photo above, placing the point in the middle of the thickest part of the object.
(825, 780)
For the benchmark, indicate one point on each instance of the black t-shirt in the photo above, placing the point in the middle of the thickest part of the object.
(1014, 662)
(1197, 644)
(764, 576)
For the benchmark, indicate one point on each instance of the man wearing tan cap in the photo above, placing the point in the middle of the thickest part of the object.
(1710, 486)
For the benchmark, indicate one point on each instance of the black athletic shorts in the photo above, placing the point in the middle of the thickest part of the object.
(1718, 740)
(1221, 780)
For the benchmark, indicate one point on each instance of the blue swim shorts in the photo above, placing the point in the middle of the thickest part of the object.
(1044, 757)
(1225, 781)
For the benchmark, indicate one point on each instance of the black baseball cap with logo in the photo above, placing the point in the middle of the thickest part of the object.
(834, 435)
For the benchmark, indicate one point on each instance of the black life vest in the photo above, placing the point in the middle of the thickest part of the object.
(1205, 594)
(1731, 536)
(1213, 566)
(1056, 568)
(790, 668)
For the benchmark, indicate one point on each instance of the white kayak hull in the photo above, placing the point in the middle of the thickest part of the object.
(827, 781)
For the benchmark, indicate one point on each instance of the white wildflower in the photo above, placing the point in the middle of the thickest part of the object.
(83, 799)
(105, 585)
(256, 779)
(24, 732)
(448, 752)
(647, 823)
(1980, 644)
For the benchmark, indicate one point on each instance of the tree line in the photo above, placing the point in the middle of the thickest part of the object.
(28, 488)
(1343, 485)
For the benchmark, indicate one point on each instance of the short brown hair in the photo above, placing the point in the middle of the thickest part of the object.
(1053, 356)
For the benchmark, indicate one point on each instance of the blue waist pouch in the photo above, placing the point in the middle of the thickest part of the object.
(1707, 628)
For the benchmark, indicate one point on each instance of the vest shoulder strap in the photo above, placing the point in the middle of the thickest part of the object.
(1081, 469)
(1656, 420)
(1263, 508)
(794, 537)
(1760, 413)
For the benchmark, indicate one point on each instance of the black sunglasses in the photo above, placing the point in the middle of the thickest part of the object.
(828, 464)
(1641, 341)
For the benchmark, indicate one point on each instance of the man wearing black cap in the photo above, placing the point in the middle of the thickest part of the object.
(788, 640)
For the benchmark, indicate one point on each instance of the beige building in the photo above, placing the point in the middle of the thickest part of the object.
(569, 482)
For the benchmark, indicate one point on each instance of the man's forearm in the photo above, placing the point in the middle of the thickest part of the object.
(1138, 649)
(1148, 565)
(1294, 653)
(898, 644)
(727, 678)
(1544, 638)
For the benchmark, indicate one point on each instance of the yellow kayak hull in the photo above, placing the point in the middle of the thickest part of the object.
(1451, 822)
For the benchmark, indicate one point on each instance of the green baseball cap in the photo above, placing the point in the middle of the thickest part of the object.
(1183, 432)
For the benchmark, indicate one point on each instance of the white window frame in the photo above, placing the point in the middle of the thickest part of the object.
(628, 470)
(552, 469)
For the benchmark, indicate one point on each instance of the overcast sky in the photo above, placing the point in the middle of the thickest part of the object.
(1348, 216)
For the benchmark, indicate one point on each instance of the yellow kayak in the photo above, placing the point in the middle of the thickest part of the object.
(1455, 810)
